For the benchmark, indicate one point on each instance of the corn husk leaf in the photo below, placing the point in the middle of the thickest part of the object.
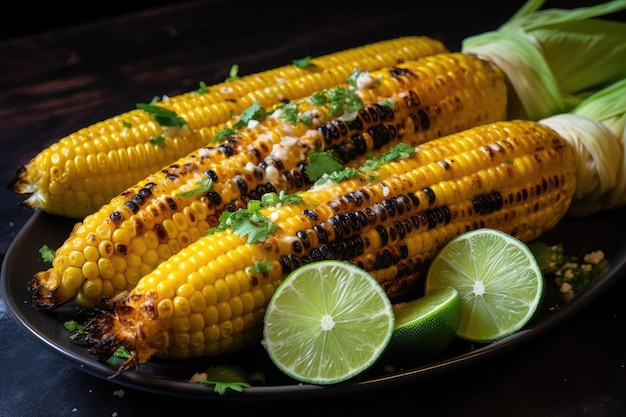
(596, 130)
(555, 58)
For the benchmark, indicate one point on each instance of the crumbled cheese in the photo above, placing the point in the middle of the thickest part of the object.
(594, 257)
(364, 80)
(226, 89)
(253, 123)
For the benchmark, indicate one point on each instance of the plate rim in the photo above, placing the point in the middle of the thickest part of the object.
(184, 389)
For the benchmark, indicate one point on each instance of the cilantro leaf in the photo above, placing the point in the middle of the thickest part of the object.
(47, 253)
(233, 74)
(204, 88)
(163, 116)
(302, 62)
(254, 112)
(204, 186)
(224, 377)
(158, 140)
(261, 266)
(321, 163)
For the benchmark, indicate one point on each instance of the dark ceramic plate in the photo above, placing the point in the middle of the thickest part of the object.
(169, 377)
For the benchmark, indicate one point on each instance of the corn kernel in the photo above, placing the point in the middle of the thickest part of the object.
(211, 333)
(77, 258)
(181, 307)
(211, 315)
(196, 322)
(222, 290)
(224, 310)
(165, 308)
(92, 288)
(72, 277)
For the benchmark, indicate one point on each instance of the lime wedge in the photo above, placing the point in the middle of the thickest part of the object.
(498, 279)
(327, 322)
(425, 326)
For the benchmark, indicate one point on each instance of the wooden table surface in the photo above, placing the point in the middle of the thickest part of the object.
(57, 80)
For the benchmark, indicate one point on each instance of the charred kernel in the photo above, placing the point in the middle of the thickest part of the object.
(424, 119)
(241, 184)
(214, 198)
(171, 203)
(389, 206)
(304, 238)
(432, 219)
(121, 249)
(430, 194)
(397, 72)
(384, 236)
(117, 217)
(380, 135)
(138, 199)
(161, 233)
(311, 214)
(145, 192)
(228, 150)
(444, 164)
(337, 227)
(296, 246)
(209, 173)
(320, 232)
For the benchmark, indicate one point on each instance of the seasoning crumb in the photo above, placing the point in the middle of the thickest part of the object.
(119, 393)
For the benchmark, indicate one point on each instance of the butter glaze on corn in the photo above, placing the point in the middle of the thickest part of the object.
(151, 221)
(515, 176)
(81, 172)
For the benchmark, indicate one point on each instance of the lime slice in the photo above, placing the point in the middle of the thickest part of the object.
(425, 326)
(498, 279)
(327, 322)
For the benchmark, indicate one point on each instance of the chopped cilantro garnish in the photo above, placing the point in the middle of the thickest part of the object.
(261, 266)
(289, 113)
(302, 62)
(158, 140)
(204, 88)
(126, 124)
(74, 327)
(121, 352)
(163, 116)
(246, 222)
(223, 134)
(250, 222)
(47, 253)
(342, 101)
(224, 377)
(234, 73)
(254, 112)
(401, 150)
(321, 163)
(203, 187)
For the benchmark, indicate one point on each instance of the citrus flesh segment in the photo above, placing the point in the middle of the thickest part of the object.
(327, 322)
(425, 326)
(498, 279)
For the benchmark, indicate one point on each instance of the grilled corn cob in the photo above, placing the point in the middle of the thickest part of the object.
(84, 170)
(114, 247)
(210, 298)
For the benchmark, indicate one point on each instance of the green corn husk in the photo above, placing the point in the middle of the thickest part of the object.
(596, 128)
(555, 58)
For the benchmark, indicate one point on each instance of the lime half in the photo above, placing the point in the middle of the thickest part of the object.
(327, 322)
(498, 279)
(425, 326)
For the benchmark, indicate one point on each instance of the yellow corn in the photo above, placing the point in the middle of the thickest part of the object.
(84, 170)
(515, 176)
(160, 215)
